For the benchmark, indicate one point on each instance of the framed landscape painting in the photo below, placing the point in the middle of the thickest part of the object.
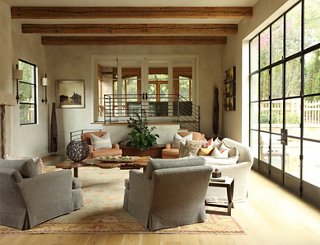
(70, 93)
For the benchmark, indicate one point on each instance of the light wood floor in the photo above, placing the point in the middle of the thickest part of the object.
(271, 215)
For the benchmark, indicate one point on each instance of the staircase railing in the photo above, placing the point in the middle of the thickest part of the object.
(158, 108)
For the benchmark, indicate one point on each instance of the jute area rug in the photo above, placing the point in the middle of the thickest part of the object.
(103, 191)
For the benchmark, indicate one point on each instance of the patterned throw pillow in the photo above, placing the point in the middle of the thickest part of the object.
(189, 149)
(177, 139)
(101, 142)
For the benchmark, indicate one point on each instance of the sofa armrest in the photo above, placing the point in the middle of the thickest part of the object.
(115, 146)
(47, 195)
(90, 150)
(140, 195)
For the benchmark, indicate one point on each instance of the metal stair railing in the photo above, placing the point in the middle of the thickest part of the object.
(158, 107)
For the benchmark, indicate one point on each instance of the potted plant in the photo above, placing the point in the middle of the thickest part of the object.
(141, 135)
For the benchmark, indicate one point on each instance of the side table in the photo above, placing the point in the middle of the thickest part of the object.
(229, 185)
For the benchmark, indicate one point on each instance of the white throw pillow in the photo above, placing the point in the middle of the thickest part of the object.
(101, 142)
(223, 154)
(177, 138)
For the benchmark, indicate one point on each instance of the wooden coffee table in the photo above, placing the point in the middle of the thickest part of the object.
(136, 163)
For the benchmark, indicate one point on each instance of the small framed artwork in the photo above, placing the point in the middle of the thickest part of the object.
(230, 74)
(230, 89)
(70, 93)
(230, 104)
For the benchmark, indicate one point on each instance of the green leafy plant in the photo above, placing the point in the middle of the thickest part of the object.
(141, 135)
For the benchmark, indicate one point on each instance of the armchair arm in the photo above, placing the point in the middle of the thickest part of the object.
(47, 195)
(168, 146)
(115, 146)
(140, 195)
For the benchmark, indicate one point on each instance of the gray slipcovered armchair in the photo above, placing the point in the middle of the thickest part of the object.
(171, 192)
(28, 198)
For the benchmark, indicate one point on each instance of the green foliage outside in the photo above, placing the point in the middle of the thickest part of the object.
(276, 118)
(141, 135)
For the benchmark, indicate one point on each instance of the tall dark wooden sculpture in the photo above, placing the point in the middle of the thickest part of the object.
(215, 119)
(54, 131)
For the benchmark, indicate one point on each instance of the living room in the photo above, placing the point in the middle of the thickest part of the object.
(59, 61)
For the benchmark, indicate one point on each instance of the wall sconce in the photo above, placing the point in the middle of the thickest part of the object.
(17, 74)
(45, 84)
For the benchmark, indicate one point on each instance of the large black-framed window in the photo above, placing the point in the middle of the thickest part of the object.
(284, 68)
(28, 93)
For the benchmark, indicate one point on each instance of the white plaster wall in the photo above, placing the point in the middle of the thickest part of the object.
(6, 81)
(235, 53)
(29, 140)
(75, 63)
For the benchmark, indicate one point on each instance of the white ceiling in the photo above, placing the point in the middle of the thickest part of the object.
(134, 3)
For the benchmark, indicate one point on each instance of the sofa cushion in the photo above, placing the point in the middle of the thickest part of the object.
(101, 142)
(177, 139)
(27, 168)
(190, 148)
(220, 161)
(157, 163)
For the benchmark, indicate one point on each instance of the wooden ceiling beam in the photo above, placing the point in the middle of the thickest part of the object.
(18, 12)
(132, 40)
(175, 29)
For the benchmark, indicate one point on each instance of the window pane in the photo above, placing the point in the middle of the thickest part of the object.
(276, 82)
(311, 22)
(292, 158)
(312, 72)
(254, 88)
(254, 116)
(276, 151)
(277, 40)
(264, 147)
(254, 143)
(312, 117)
(293, 116)
(254, 54)
(164, 92)
(293, 30)
(276, 116)
(264, 85)
(265, 48)
(293, 78)
(152, 89)
(311, 164)
(28, 72)
(184, 87)
(182, 81)
(264, 116)
(26, 92)
(27, 114)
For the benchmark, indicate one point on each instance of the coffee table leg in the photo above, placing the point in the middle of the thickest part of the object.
(75, 172)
